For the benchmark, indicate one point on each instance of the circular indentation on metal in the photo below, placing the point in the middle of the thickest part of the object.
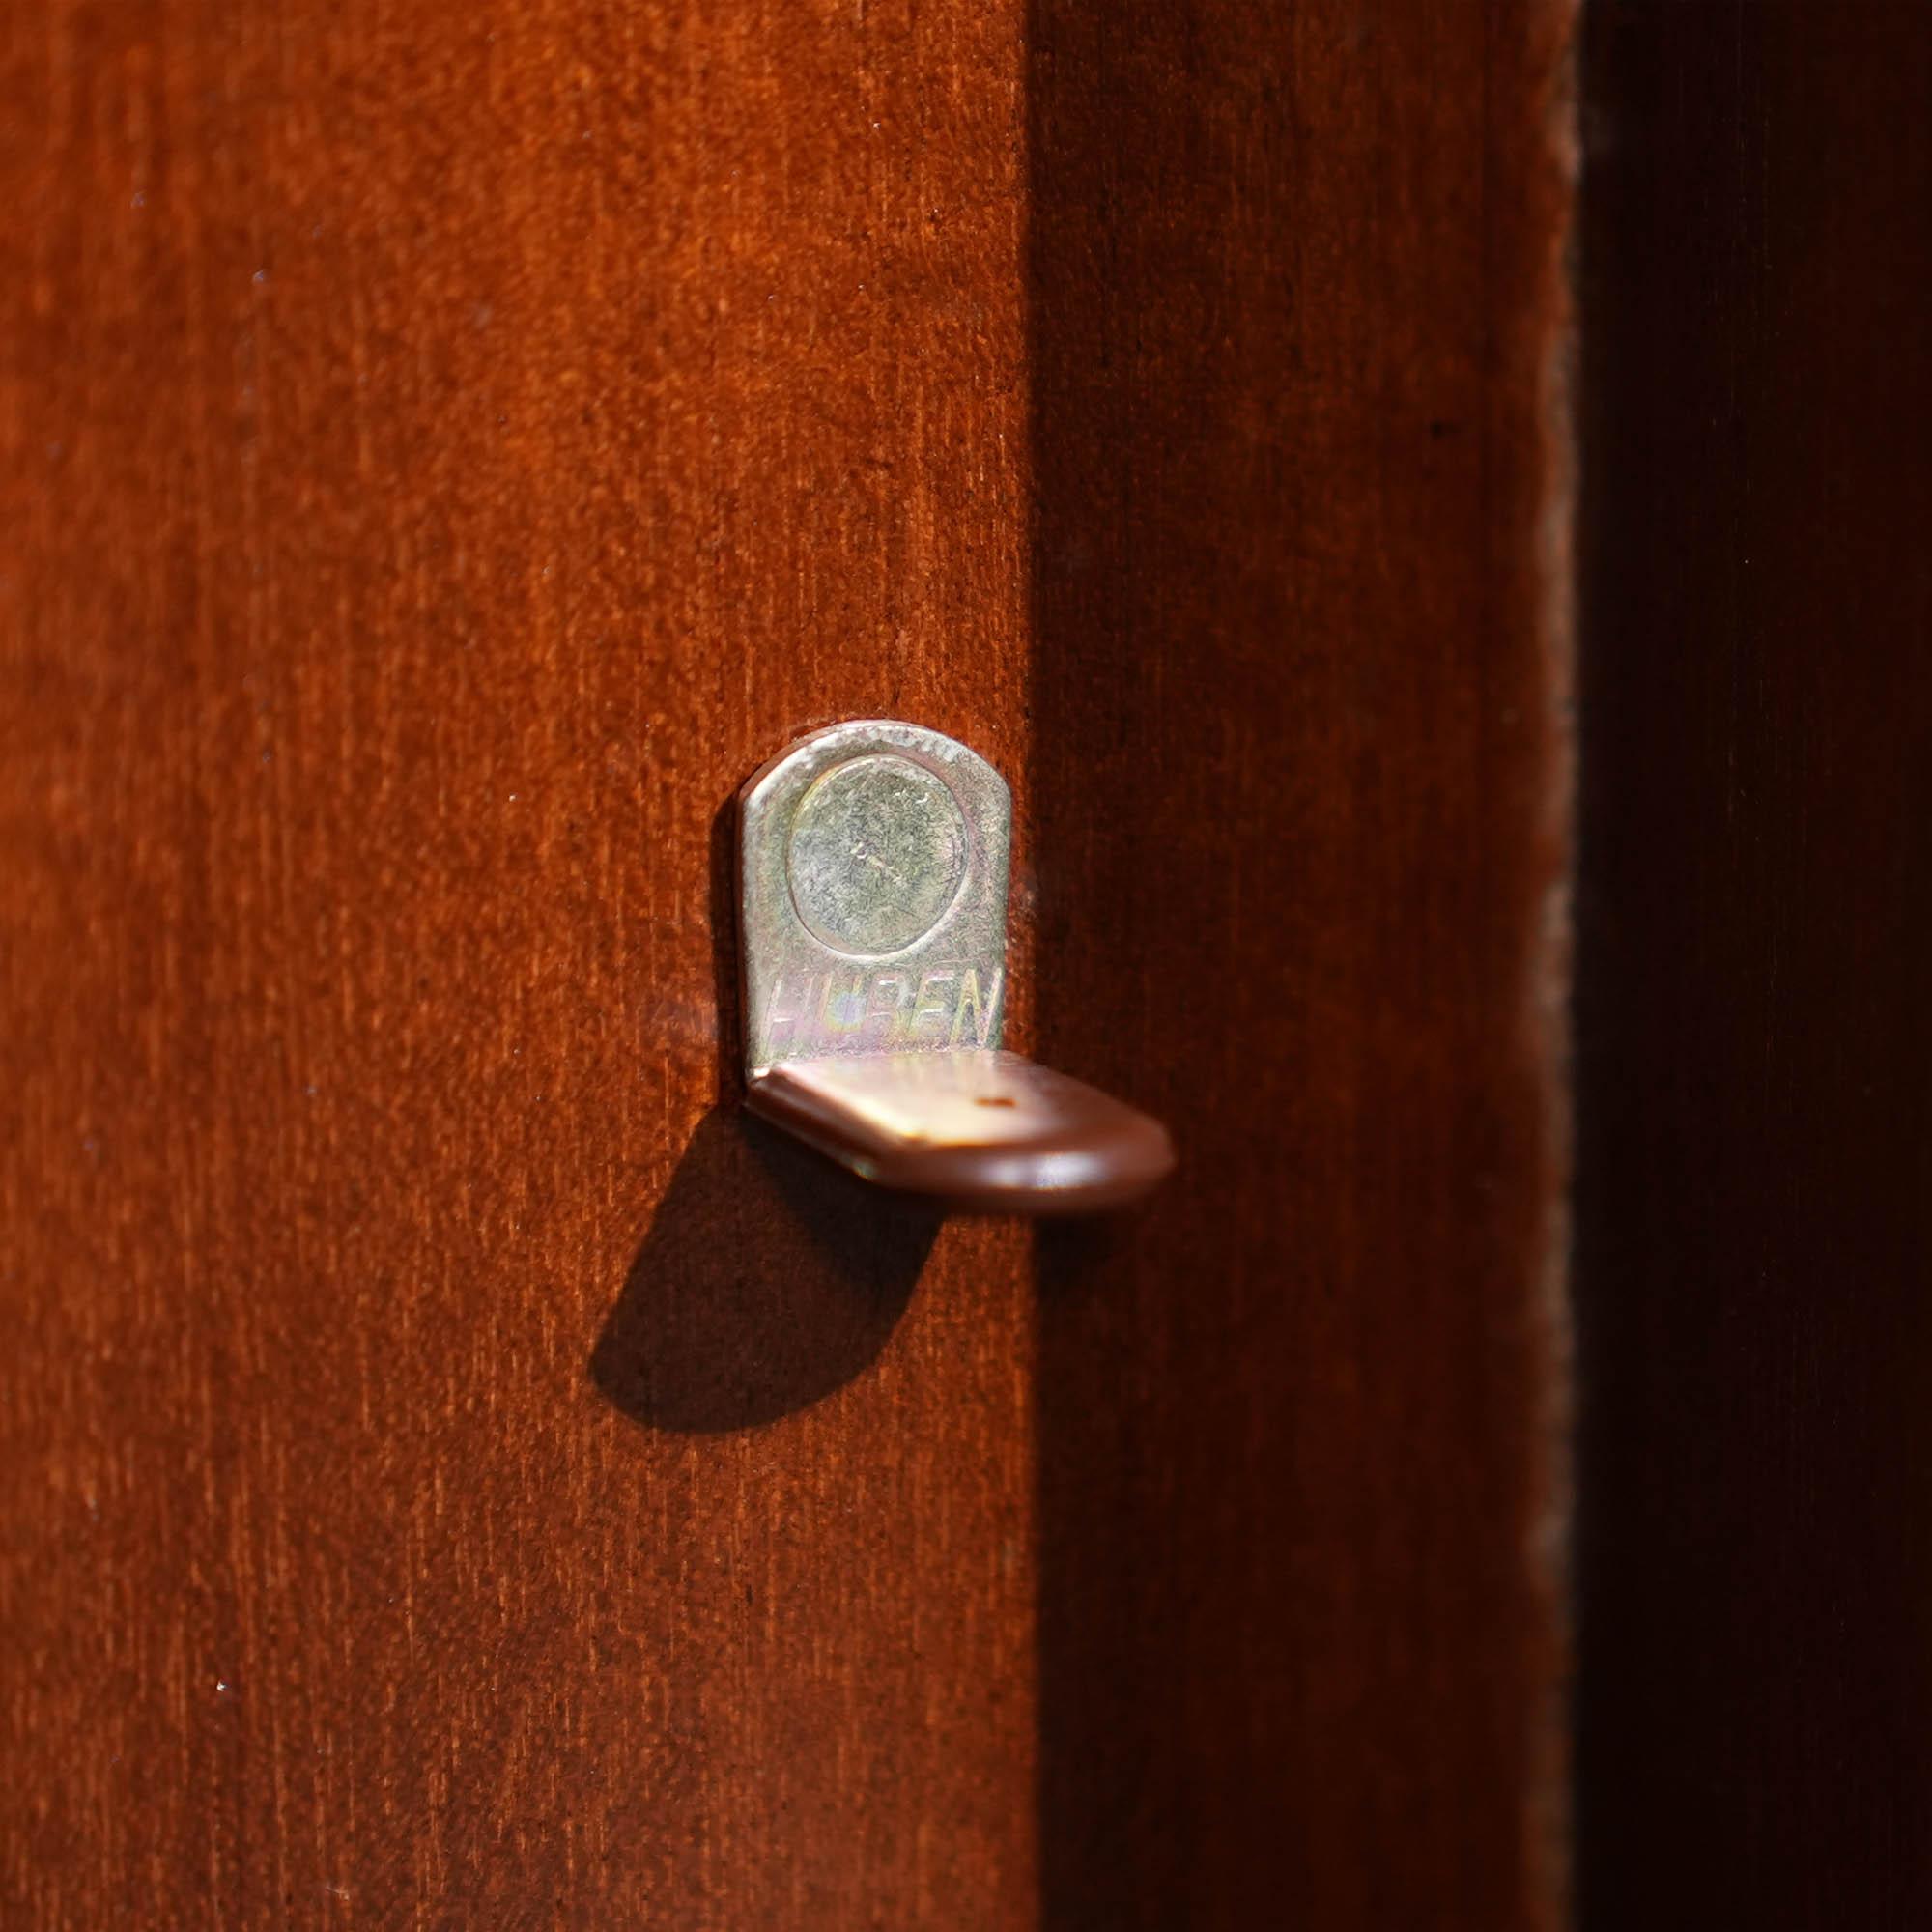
(877, 854)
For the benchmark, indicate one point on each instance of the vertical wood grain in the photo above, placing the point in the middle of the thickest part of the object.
(1755, 1074)
(446, 448)
(456, 1473)
(1301, 783)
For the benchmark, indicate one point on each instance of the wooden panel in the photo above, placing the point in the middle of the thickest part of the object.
(1755, 1200)
(447, 446)
(1299, 793)
(457, 1474)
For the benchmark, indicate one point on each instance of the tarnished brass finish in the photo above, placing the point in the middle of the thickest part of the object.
(873, 916)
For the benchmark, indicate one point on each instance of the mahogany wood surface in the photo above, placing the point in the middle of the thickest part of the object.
(455, 1470)
(1299, 784)
(447, 449)
(1755, 1208)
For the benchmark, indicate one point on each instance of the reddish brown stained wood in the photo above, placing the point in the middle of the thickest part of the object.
(455, 1473)
(1298, 794)
(446, 447)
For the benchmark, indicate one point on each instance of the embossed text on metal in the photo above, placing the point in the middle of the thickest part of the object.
(874, 908)
(873, 920)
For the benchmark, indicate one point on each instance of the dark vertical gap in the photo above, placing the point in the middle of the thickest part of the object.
(1753, 1224)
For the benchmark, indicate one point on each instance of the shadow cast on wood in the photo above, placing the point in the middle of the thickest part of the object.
(769, 1280)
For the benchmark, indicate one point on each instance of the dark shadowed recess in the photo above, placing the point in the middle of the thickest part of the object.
(1754, 1208)
(1292, 756)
